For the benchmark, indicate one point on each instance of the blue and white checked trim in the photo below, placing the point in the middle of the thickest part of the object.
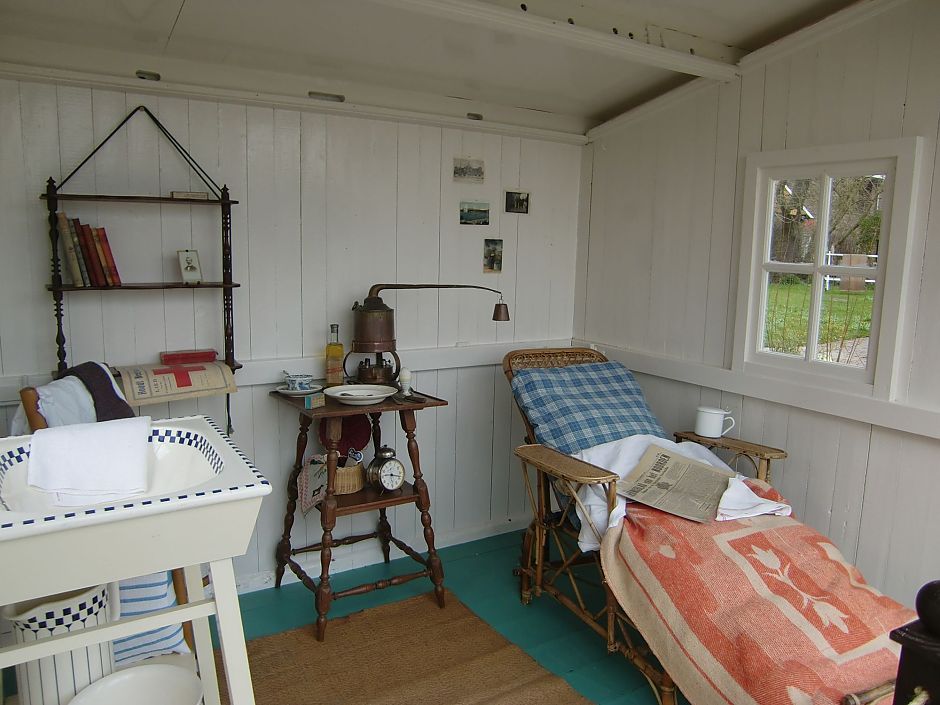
(66, 616)
(579, 406)
(18, 455)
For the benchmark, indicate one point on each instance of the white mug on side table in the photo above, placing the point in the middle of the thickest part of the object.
(710, 422)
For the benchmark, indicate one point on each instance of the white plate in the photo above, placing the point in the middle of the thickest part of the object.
(298, 392)
(359, 394)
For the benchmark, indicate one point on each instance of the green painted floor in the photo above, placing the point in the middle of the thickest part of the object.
(480, 574)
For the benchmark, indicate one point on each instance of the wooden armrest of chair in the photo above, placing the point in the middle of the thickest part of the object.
(30, 398)
(564, 466)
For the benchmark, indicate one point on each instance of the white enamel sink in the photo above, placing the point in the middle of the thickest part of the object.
(201, 505)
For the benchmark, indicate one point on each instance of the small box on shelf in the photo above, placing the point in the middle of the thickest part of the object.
(191, 195)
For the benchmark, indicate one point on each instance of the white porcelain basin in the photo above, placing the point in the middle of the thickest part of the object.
(191, 464)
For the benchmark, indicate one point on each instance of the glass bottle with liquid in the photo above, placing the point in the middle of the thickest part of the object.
(334, 358)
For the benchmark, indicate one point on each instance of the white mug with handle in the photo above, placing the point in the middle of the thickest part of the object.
(710, 422)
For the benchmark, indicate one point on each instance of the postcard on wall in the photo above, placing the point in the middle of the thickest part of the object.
(492, 256)
(468, 170)
(190, 270)
(474, 213)
(517, 202)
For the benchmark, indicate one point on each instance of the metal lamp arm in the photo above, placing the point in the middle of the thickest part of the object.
(376, 288)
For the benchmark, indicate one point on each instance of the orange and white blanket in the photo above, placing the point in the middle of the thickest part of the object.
(763, 610)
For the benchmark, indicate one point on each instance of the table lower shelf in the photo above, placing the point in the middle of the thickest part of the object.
(369, 498)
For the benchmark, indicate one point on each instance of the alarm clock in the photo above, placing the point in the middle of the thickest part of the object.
(386, 472)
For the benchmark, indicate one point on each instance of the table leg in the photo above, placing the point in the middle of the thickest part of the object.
(376, 431)
(203, 641)
(408, 425)
(231, 635)
(334, 429)
(282, 552)
(384, 530)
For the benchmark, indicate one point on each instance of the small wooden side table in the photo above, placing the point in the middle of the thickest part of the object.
(759, 455)
(366, 499)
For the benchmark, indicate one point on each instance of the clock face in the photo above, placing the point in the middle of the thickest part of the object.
(391, 475)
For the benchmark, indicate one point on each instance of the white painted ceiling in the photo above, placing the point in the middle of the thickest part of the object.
(412, 55)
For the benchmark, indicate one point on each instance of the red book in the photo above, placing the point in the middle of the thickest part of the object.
(107, 257)
(186, 357)
(87, 247)
(92, 261)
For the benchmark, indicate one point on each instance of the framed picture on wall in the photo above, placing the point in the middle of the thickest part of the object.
(517, 202)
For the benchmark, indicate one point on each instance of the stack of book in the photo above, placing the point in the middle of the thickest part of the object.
(88, 256)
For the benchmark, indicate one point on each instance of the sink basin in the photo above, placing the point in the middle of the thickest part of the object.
(191, 464)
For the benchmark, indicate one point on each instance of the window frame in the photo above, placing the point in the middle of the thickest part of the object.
(894, 305)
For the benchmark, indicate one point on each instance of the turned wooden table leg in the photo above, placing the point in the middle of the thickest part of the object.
(424, 505)
(334, 427)
(282, 552)
(384, 530)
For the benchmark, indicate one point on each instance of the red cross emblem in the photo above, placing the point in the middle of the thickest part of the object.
(180, 373)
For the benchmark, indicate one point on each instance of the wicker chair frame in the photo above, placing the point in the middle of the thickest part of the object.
(538, 571)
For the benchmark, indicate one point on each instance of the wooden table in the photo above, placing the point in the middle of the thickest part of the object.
(366, 499)
(758, 455)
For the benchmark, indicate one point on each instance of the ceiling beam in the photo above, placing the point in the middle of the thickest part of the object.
(519, 22)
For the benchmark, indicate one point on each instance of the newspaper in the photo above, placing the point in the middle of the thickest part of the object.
(152, 384)
(676, 484)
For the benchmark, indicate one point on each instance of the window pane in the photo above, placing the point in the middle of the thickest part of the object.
(845, 325)
(793, 227)
(786, 320)
(855, 211)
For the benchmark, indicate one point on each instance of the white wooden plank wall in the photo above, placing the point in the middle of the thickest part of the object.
(328, 206)
(660, 270)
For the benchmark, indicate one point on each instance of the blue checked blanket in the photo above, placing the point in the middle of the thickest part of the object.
(575, 407)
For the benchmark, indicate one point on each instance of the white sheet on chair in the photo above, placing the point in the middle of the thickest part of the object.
(91, 463)
(621, 457)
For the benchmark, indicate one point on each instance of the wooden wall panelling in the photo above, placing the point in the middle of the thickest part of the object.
(313, 236)
(466, 316)
(445, 472)
(821, 471)
(418, 217)
(261, 254)
(778, 84)
(76, 139)
(243, 436)
(855, 95)
(30, 113)
(518, 502)
(717, 349)
(501, 459)
(795, 480)
(204, 146)
(176, 223)
(284, 237)
(848, 490)
(585, 189)
(921, 117)
(687, 332)
(474, 481)
(138, 246)
(233, 169)
(361, 197)
(112, 176)
(546, 251)
(893, 47)
(882, 490)
(509, 224)
(274, 428)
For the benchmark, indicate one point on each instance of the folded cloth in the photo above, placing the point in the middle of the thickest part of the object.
(62, 401)
(740, 502)
(108, 399)
(91, 462)
(621, 457)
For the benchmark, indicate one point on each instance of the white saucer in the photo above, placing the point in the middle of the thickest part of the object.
(298, 392)
(360, 394)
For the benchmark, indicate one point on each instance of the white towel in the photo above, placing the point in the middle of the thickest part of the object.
(740, 502)
(91, 462)
(621, 457)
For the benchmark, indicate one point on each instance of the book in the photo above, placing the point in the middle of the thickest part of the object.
(86, 281)
(194, 195)
(107, 257)
(185, 357)
(68, 247)
(99, 248)
(92, 262)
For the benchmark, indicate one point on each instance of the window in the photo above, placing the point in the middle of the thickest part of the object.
(827, 241)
